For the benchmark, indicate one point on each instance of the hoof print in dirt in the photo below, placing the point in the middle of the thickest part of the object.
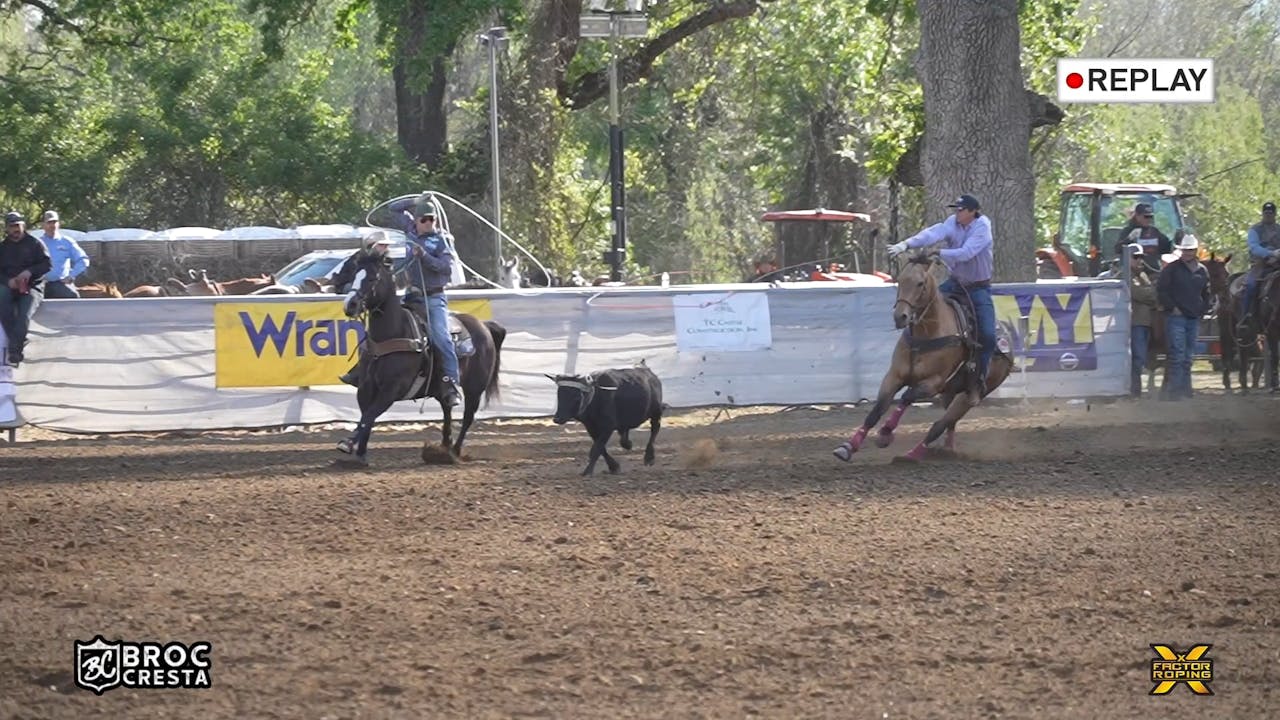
(436, 455)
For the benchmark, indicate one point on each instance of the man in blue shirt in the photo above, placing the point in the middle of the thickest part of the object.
(1264, 250)
(68, 259)
(967, 236)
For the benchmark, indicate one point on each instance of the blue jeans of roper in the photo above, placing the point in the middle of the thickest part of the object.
(15, 315)
(1182, 334)
(1139, 339)
(438, 332)
(984, 313)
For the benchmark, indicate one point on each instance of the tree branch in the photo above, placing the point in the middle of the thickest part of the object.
(594, 85)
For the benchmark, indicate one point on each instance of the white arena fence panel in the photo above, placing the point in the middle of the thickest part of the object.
(204, 363)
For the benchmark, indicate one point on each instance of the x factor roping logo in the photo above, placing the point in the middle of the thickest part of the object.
(1173, 667)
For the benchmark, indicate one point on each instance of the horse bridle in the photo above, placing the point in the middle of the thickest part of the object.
(916, 312)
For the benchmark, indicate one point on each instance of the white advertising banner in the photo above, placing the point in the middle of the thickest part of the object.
(723, 321)
(203, 363)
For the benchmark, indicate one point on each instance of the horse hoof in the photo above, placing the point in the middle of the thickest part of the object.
(844, 452)
(347, 447)
(884, 439)
(352, 461)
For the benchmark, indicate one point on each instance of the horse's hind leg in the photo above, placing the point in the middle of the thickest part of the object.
(624, 439)
(471, 403)
(886, 431)
(888, 388)
(957, 409)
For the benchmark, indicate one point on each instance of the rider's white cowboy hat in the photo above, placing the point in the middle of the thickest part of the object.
(1188, 242)
(377, 237)
(1135, 249)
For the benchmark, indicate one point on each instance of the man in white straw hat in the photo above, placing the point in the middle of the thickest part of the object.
(1183, 291)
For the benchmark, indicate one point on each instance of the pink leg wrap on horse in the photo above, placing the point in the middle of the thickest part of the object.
(892, 423)
(855, 440)
(917, 452)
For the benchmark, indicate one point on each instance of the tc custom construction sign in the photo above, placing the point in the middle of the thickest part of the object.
(301, 344)
(1135, 80)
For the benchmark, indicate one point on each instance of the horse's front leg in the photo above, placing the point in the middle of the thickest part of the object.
(885, 438)
(888, 388)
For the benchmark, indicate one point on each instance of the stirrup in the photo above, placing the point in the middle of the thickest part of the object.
(349, 379)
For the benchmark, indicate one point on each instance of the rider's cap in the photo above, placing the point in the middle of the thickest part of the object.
(12, 217)
(1268, 207)
(967, 202)
(427, 211)
(1142, 209)
(50, 216)
(1135, 249)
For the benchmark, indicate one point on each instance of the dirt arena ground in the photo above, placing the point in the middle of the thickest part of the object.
(747, 574)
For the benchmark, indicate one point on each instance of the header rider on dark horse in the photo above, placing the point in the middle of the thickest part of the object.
(968, 255)
(429, 259)
(1264, 250)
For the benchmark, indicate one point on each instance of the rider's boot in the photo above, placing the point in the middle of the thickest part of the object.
(452, 394)
(352, 376)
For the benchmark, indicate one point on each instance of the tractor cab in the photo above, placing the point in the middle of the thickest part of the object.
(1090, 221)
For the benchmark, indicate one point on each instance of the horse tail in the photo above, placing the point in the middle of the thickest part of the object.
(499, 333)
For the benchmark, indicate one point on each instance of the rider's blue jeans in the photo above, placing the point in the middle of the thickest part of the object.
(438, 333)
(1251, 288)
(985, 314)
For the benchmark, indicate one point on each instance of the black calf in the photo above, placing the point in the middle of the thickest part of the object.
(618, 399)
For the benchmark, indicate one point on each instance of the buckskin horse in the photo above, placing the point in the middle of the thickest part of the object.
(930, 359)
(395, 367)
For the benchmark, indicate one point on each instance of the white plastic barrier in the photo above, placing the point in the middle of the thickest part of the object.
(211, 363)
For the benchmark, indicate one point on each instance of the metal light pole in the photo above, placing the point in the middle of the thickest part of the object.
(494, 37)
(615, 24)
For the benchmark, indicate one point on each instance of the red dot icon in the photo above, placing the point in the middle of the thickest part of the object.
(1075, 80)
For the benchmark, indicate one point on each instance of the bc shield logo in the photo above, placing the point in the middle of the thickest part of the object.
(97, 665)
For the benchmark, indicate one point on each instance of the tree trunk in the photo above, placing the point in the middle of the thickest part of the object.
(421, 123)
(977, 122)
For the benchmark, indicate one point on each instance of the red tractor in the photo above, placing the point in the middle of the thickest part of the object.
(825, 270)
(1091, 218)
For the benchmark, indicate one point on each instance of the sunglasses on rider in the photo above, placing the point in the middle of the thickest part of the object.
(427, 218)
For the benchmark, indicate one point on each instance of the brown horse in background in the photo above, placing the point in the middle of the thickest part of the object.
(98, 290)
(929, 359)
(1237, 352)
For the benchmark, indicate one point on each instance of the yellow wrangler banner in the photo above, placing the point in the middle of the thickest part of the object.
(293, 344)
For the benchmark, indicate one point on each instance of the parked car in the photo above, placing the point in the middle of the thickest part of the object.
(318, 267)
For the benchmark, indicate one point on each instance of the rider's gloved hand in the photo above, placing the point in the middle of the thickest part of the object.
(897, 249)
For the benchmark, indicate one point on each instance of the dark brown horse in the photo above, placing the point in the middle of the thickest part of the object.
(929, 360)
(393, 368)
(1269, 320)
(1236, 351)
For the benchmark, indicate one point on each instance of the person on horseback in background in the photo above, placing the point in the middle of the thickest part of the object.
(1264, 248)
(430, 263)
(968, 255)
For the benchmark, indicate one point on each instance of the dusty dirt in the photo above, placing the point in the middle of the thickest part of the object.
(749, 573)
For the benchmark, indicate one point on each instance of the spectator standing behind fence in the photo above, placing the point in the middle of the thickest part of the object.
(1183, 291)
(24, 261)
(1142, 292)
(68, 260)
